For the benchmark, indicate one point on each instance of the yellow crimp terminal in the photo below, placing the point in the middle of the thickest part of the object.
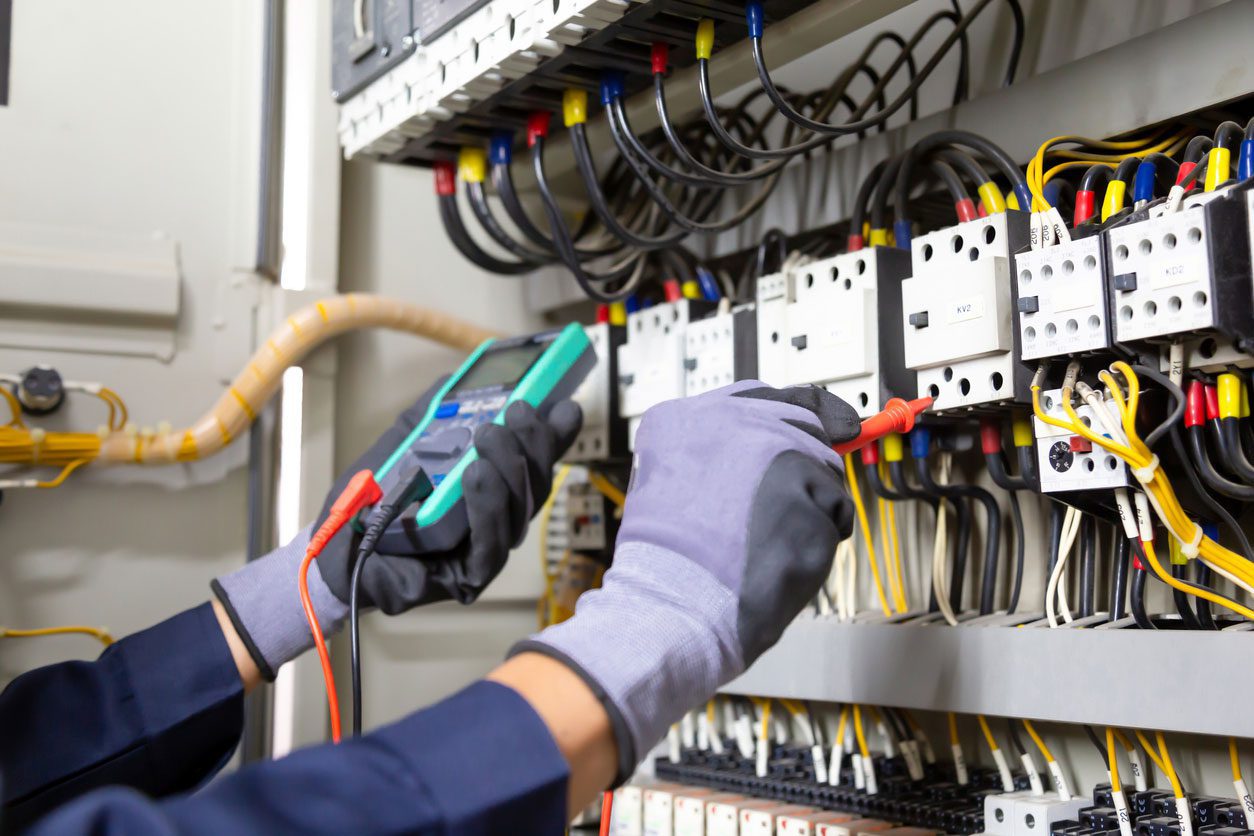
(893, 447)
(1177, 556)
(1229, 396)
(1012, 202)
(472, 164)
(879, 238)
(1218, 167)
(574, 107)
(1021, 429)
(691, 290)
(705, 38)
(992, 198)
(1113, 202)
(618, 313)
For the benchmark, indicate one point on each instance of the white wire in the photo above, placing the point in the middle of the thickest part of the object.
(1070, 527)
(940, 550)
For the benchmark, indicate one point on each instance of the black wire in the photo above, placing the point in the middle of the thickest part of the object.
(483, 213)
(946, 174)
(1101, 747)
(456, 231)
(503, 181)
(1202, 577)
(964, 162)
(862, 200)
(1213, 505)
(989, 149)
(1088, 182)
(1015, 740)
(1197, 148)
(958, 494)
(1056, 515)
(1016, 516)
(1217, 483)
(354, 614)
(1137, 605)
(1228, 135)
(1181, 599)
(1177, 396)
(1088, 565)
(1119, 583)
(962, 83)
(1234, 453)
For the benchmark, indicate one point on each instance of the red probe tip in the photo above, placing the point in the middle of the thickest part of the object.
(898, 416)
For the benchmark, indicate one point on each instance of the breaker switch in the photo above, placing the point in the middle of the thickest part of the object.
(919, 319)
(1125, 282)
(1029, 304)
(799, 342)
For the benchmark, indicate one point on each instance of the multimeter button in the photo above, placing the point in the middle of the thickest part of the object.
(450, 442)
(447, 410)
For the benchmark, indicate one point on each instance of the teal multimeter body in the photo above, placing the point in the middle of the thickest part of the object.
(540, 369)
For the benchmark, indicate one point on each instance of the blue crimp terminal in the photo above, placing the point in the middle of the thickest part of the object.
(611, 87)
(754, 18)
(902, 232)
(920, 442)
(501, 149)
(1143, 183)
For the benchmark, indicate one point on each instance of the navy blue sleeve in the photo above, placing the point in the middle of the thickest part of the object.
(159, 711)
(481, 762)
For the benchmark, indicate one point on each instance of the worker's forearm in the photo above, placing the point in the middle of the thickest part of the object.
(575, 718)
(249, 673)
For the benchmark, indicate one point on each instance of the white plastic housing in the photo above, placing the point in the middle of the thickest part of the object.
(659, 811)
(964, 355)
(1036, 814)
(710, 355)
(835, 313)
(1069, 286)
(1168, 256)
(593, 397)
(628, 816)
(651, 362)
(774, 294)
(999, 813)
(1074, 471)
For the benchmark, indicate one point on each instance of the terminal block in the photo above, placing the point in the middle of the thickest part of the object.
(1069, 462)
(651, 362)
(590, 522)
(1185, 273)
(603, 436)
(958, 313)
(774, 294)
(1062, 300)
(842, 329)
(721, 349)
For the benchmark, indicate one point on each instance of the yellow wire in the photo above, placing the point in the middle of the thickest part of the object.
(1040, 743)
(842, 725)
(1150, 750)
(109, 396)
(953, 729)
(892, 547)
(858, 733)
(607, 488)
(988, 733)
(1134, 147)
(15, 409)
(1168, 767)
(765, 732)
(57, 480)
(1234, 757)
(1112, 756)
(98, 633)
(865, 525)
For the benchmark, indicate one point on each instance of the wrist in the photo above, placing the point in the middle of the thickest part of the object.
(658, 638)
(249, 673)
(262, 603)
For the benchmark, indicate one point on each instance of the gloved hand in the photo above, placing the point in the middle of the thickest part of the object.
(503, 490)
(734, 510)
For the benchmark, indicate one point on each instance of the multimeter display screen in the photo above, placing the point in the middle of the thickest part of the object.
(499, 368)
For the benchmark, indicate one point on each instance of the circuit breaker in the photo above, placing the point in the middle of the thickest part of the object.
(604, 433)
(651, 362)
(1062, 301)
(842, 331)
(957, 313)
(774, 293)
(1184, 272)
(1070, 462)
(721, 349)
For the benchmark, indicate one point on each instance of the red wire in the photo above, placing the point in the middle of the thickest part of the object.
(361, 491)
(607, 809)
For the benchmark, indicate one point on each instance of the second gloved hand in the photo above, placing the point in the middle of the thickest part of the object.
(734, 511)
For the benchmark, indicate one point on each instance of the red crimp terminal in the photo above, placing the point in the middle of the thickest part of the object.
(966, 210)
(1195, 405)
(871, 455)
(854, 243)
(537, 126)
(990, 436)
(1083, 206)
(1184, 171)
(660, 56)
(445, 179)
(1212, 403)
(981, 211)
(1137, 564)
(603, 314)
(898, 417)
(672, 290)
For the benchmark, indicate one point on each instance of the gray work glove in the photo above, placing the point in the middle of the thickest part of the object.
(503, 490)
(735, 507)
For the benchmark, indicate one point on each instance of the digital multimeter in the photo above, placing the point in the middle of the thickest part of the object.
(540, 369)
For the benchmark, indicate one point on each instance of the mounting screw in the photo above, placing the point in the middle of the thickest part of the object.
(408, 42)
(40, 391)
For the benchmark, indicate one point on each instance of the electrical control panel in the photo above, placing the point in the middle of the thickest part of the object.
(651, 362)
(1025, 814)
(957, 313)
(1185, 272)
(721, 349)
(604, 433)
(842, 329)
(1062, 303)
(590, 522)
(775, 293)
(1069, 462)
